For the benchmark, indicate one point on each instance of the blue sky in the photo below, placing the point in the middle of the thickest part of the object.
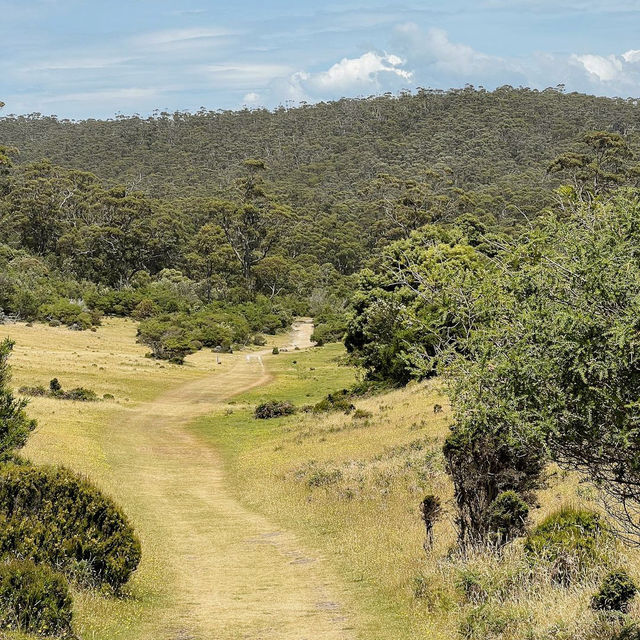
(89, 58)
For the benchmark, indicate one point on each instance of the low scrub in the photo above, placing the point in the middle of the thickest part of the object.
(49, 515)
(616, 592)
(34, 599)
(572, 542)
(55, 390)
(274, 409)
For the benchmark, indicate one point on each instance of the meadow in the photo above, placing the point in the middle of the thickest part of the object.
(267, 528)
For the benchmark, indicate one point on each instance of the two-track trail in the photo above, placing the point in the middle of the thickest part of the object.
(222, 571)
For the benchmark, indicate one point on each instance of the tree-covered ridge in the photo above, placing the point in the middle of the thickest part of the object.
(326, 154)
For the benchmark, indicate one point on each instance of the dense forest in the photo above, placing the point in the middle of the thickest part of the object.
(196, 213)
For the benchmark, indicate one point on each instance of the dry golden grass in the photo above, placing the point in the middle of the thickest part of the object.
(314, 528)
(211, 568)
(351, 486)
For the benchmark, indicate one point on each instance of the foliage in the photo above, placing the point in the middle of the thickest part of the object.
(572, 542)
(336, 401)
(507, 516)
(615, 593)
(274, 409)
(51, 515)
(405, 311)
(15, 426)
(34, 599)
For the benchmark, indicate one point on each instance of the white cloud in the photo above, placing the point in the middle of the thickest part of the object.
(632, 56)
(251, 98)
(605, 69)
(354, 73)
(173, 36)
(112, 95)
(371, 72)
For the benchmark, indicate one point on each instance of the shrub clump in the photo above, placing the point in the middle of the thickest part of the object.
(79, 394)
(336, 401)
(616, 592)
(34, 599)
(274, 409)
(49, 515)
(572, 541)
(507, 517)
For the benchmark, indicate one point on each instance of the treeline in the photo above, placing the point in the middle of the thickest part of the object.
(265, 215)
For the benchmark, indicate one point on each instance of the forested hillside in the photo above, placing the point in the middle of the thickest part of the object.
(327, 159)
(199, 213)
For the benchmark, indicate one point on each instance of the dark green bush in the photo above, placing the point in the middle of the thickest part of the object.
(49, 515)
(336, 401)
(275, 351)
(507, 516)
(571, 541)
(80, 394)
(55, 386)
(274, 409)
(34, 599)
(615, 593)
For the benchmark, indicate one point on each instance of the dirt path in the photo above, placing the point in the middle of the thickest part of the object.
(230, 573)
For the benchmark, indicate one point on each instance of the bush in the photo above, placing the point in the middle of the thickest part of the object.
(34, 599)
(615, 593)
(80, 394)
(274, 409)
(34, 392)
(275, 351)
(572, 541)
(323, 477)
(51, 515)
(507, 516)
(55, 386)
(337, 401)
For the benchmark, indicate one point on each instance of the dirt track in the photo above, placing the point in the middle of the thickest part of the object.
(234, 575)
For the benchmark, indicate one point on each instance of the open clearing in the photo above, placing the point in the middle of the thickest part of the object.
(211, 567)
(312, 531)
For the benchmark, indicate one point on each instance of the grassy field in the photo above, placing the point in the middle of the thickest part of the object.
(313, 529)
(351, 485)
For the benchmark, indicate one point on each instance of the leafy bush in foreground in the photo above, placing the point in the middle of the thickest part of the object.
(34, 599)
(615, 593)
(49, 515)
(572, 541)
(15, 426)
(274, 409)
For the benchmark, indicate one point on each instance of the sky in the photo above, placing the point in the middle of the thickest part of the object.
(93, 59)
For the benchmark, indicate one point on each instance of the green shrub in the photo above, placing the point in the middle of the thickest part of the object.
(69, 313)
(615, 593)
(274, 409)
(336, 401)
(507, 516)
(34, 599)
(80, 394)
(55, 386)
(49, 515)
(572, 541)
(275, 351)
